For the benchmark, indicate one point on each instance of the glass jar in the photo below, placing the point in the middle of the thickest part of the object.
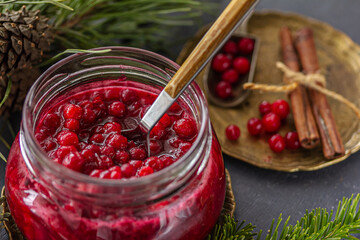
(49, 201)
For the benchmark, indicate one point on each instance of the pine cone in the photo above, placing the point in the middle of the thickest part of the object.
(24, 36)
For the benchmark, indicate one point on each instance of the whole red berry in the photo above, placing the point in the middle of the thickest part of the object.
(165, 121)
(185, 128)
(254, 126)
(121, 157)
(117, 109)
(72, 124)
(271, 122)
(89, 115)
(128, 170)
(246, 45)
(232, 132)
(242, 65)
(137, 153)
(167, 160)
(67, 138)
(221, 62)
(52, 121)
(230, 47)
(281, 108)
(277, 143)
(155, 163)
(292, 140)
(145, 170)
(223, 90)
(158, 131)
(112, 127)
(73, 111)
(117, 141)
(129, 96)
(231, 76)
(73, 161)
(264, 107)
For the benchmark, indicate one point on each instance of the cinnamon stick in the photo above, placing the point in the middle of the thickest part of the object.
(300, 103)
(330, 137)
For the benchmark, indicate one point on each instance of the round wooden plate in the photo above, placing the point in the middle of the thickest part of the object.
(339, 57)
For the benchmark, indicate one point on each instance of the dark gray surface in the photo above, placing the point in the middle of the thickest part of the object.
(261, 194)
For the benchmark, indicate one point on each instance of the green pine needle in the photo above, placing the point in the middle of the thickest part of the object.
(314, 225)
(7, 92)
(232, 230)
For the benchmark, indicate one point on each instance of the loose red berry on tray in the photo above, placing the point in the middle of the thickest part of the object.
(292, 140)
(264, 108)
(232, 132)
(221, 62)
(254, 126)
(73, 111)
(223, 90)
(271, 122)
(231, 47)
(281, 108)
(277, 143)
(242, 65)
(246, 45)
(185, 128)
(231, 76)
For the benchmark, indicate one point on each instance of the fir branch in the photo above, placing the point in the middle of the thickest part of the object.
(232, 230)
(320, 224)
(7, 92)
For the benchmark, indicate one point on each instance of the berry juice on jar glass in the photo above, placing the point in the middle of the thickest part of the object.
(74, 173)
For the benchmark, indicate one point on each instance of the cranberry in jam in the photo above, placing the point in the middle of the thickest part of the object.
(80, 166)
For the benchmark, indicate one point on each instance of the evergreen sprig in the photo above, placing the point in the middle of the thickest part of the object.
(137, 23)
(314, 225)
(232, 230)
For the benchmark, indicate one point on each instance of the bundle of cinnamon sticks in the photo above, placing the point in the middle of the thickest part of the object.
(313, 118)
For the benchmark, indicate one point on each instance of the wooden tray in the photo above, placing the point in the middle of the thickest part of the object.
(339, 57)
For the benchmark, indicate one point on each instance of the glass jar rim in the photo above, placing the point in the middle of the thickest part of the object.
(27, 130)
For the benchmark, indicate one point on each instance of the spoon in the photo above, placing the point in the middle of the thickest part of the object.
(220, 31)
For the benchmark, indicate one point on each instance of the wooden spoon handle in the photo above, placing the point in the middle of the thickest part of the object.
(212, 39)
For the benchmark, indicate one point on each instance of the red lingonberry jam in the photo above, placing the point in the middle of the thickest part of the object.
(126, 195)
(74, 129)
